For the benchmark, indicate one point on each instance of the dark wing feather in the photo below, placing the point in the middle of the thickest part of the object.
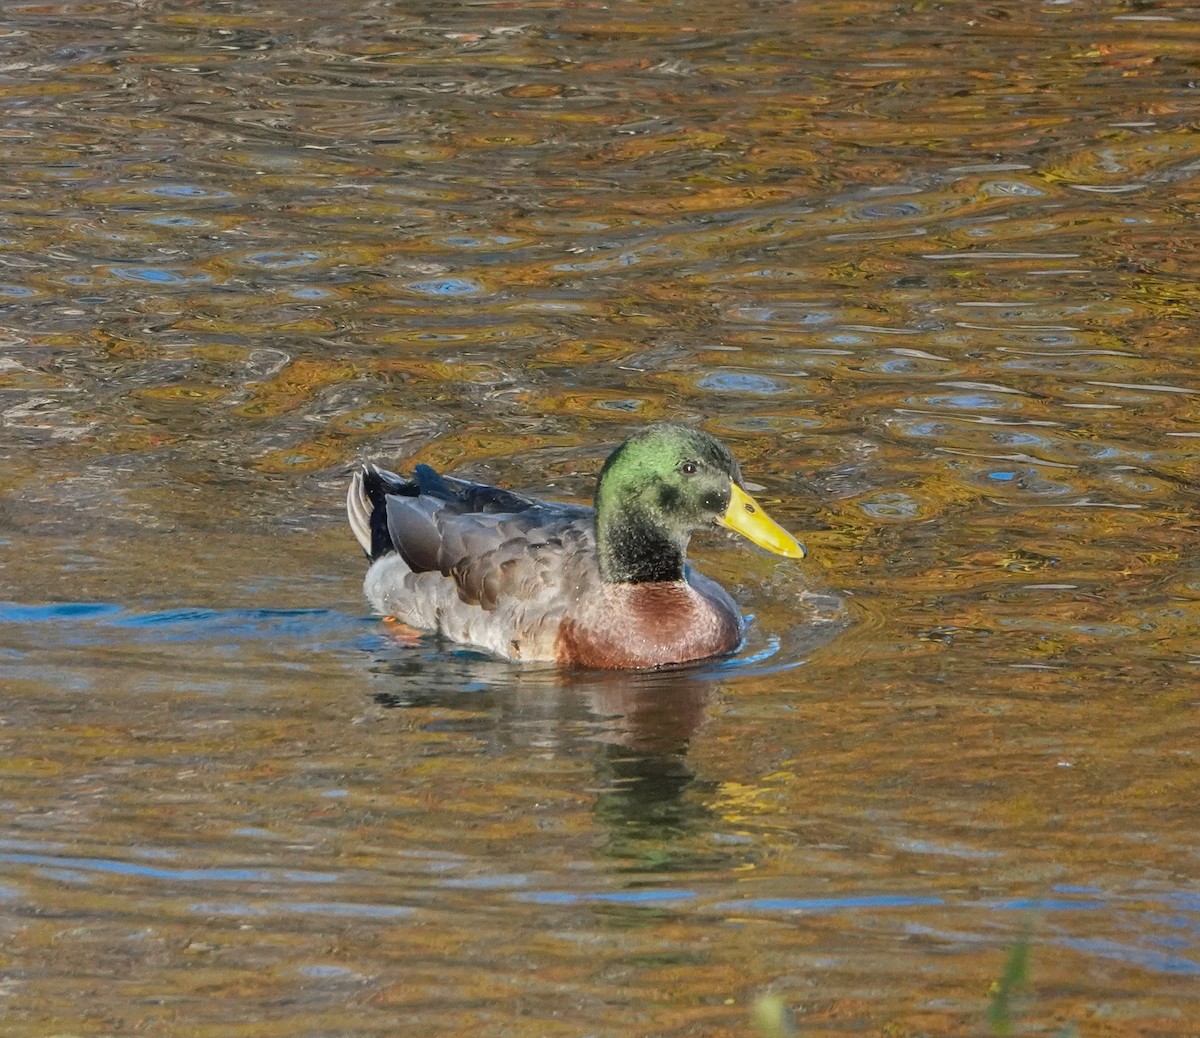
(464, 496)
(414, 531)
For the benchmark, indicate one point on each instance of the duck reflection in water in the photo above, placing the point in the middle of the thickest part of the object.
(636, 727)
(654, 712)
(643, 771)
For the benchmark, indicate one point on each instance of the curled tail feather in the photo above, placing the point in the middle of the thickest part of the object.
(367, 508)
(358, 510)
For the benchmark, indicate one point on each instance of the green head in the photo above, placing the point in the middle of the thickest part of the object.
(659, 486)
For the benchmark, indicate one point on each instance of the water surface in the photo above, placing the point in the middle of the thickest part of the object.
(927, 269)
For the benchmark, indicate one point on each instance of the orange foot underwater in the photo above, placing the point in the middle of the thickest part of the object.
(401, 632)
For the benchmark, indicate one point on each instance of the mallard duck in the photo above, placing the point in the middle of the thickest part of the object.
(527, 579)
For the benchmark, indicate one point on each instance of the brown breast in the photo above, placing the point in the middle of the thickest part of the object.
(649, 625)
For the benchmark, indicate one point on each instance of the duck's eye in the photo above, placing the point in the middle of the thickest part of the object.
(688, 468)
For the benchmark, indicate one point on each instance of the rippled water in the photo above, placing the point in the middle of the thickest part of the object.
(929, 269)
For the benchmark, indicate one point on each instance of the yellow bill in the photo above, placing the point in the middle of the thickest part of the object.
(745, 516)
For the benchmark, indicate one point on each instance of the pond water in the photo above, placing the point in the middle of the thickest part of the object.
(929, 269)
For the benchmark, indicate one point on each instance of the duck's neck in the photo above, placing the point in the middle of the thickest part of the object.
(634, 549)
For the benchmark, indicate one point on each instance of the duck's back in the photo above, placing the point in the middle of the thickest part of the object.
(481, 565)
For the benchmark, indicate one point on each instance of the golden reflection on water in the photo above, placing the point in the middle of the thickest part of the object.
(926, 270)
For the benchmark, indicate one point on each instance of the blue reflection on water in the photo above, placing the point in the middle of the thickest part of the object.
(154, 275)
(125, 868)
(83, 623)
(827, 904)
(626, 897)
(186, 191)
(447, 287)
(740, 382)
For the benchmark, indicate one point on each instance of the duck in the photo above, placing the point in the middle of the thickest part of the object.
(604, 587)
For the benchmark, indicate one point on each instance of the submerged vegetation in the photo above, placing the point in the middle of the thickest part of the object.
(774, 1019)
